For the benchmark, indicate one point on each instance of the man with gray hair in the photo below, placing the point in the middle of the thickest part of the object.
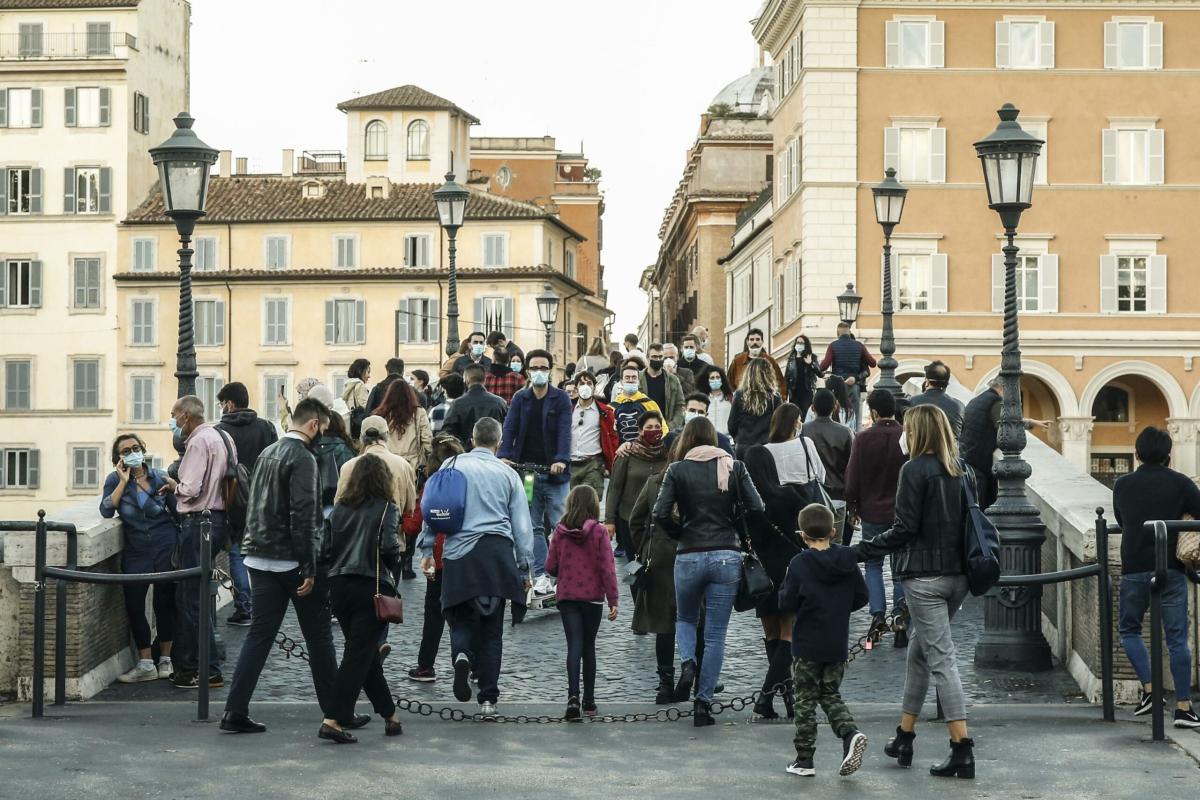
(484, 563)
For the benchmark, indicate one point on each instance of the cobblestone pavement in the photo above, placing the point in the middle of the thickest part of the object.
(534, 653)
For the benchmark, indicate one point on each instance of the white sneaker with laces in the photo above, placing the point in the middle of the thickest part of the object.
(543, 585)
(487, 710)
(143, 671)
(165, 668)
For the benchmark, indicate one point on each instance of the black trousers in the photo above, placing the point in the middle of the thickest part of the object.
(352, 600)
(581, 623)
(164, 612)
(433, 625)
(271, 593)
(481, 636)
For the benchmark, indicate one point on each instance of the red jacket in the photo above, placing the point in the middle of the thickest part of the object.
(608, 433)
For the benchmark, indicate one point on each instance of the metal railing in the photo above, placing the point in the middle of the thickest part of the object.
(1158, 585)
(71, 573)
(47, 46)
(321, 161)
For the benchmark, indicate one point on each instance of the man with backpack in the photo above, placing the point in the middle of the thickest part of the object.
(479, 503)
(251, 435)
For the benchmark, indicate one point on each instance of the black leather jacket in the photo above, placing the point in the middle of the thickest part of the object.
(349, 545)
(705, 514)
(283, 516)
(926, 539)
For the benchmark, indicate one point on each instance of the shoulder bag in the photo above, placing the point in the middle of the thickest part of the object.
(981, 541)
(814, 490)
(754, 583)
(387, 608)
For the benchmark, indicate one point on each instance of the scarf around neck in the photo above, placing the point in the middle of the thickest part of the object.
(638, 448)
(724, 462)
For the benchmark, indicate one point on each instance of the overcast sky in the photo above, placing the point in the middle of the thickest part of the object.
(628, 78)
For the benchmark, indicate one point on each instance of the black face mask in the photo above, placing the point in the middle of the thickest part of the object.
(656, 364)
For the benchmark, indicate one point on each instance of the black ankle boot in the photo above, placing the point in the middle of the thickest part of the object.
(960, 764)
(900, 747)
(702, 714)
(687, 677)
(666, 686)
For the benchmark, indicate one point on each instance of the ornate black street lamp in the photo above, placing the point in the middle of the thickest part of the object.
(547, 303)
(183, 163)
(451, 199)
(889, 205)
(848, 303)
(1012, 637)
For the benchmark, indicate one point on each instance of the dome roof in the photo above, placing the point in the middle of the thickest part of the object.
(744, 95)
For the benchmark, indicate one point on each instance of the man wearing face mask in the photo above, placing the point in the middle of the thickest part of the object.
(537, 430)
(476, 347)
(694, 357)
(700, 334)
(753, 348)
(630, 402)
(506, 376)
(662, 387)
(593, 436)
(283, 526)
(697, 406)
(687, 378)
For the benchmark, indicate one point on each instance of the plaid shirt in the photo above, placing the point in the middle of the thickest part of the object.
(504, 386)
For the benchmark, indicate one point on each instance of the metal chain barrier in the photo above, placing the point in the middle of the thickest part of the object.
(294, 649)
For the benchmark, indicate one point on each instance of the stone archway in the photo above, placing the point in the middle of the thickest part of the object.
(1124, 398)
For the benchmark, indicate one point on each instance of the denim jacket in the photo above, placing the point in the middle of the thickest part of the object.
(156, 517)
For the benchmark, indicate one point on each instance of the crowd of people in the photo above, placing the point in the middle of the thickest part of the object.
(508, 489)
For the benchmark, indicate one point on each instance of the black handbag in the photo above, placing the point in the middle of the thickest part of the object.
(754, 584)
(814, 490)
(981, 541)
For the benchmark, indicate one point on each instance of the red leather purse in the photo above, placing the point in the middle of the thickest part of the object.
(387, 608)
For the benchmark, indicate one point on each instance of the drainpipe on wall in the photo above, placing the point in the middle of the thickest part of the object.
(229, 302)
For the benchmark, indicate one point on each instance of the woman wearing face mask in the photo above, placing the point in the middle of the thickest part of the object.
(645, 456)
(144, 499)
(720, 397)
(803, 369)
(506, 376)
(753, 405)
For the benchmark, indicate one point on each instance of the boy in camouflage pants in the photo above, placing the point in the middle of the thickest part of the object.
(822, 588)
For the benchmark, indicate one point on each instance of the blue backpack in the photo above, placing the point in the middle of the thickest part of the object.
(444, 502)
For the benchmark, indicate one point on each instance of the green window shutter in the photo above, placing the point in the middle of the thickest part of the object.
(35, 191)
(69, 190)
(106, 190)
(105, 106)
(69, 108)
(35, 108)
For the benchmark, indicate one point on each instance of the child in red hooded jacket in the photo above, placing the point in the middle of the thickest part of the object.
(581, 557)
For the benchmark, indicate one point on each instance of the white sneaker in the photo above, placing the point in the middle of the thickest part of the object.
(487, 710)
(543, 585)
(165, 668)
(142, 672)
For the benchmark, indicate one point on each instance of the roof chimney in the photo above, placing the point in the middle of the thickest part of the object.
(224, 161)
(242, 168)
(289, 163)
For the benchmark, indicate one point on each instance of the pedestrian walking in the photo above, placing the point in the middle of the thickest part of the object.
(753, 405)
(450, 389)
(834, 442)
(720, 397)
(356, 395)
(672, 365)
(822, 589)
(978, 440)
(926, 539)
(933, 392)
(697, 405)
(800, 375)
(506, 376)
(476, 347)
(361, 554)
(142, 497)
(752, 350)
(593, 436)
(662, 387)
(654, 602)
(691, 358)
(283, 525)
(581, 558)
(484, 565)
(630, 402)
(849, 360)
(634, 465)
(475, 404)
(596, 358)
(408, 424)
(707, 487)
(1155, 491)
(395, 372)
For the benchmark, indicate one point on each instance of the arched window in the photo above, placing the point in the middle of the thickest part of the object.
(376, 146)
(418, 139)
(1111, 405)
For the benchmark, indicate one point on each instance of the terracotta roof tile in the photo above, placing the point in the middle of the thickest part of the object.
(407, 96)
(11, 5)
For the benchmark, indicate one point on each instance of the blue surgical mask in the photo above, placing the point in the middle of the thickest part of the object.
(515, 366)
(134, 460)
(539, 378)
(688, 416)
(477, 350)
(630, 388)
(173, 426)
(715, 384)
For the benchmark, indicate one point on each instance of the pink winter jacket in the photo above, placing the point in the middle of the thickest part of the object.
(582, 560)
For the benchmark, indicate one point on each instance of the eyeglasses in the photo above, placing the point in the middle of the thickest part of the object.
(133, 448)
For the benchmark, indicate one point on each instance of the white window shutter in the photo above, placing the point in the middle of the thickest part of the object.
(35, 284)
(1110, 45)
(269, 321)
(1158, 285)
(509, 317)
(1154, 156)
(105, 106)
(219, 322)
(1108, 284)
(937, 43)
(1155, 56)
(891, 149)
(402, 324)
(939, 284)
(997, 282)
(1001, 45)
(4, 108)
(360, 321)
(35, 108)
(1108, 170)
(1046, 57)
(35, 464)
(68, 190)
(937, 155)
(330, 327)
(434, 321)
(1048, 296)
(35, 191)
(892, 47)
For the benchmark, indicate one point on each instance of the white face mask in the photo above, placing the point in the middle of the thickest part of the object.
(689, 353)
(669, 364)
(755, 350)
(585, 391)
(799, 349)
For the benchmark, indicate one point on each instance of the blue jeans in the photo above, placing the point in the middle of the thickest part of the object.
(549, 499)
(710, 578)
(186, 650)
(1135, 600)
(240, 578)
(874, 570)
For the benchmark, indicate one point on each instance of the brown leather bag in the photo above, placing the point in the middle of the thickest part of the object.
(387, 608)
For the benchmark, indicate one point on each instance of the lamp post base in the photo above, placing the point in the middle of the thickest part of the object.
(1013, 650)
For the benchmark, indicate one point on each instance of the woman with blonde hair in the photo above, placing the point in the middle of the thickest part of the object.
(596, 358)
(753, 405)
(926, 545)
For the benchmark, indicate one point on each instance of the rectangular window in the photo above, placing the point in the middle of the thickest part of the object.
(206, 253)
(142, 312)
(87, 107)
(87, 190)
(143, 398)
(31, 40)
(1133, 45)
(495, 314)
(207, 388)
(416, 250)
(914, 279)
(345, 321)
(85, 467)
(20, 468)
(914, 44)
(87, 283)
(914, 154)
(144, 256)
(99, 38)
(20, 108)
(18, 385)
(1025, 43)
(22, 284)
(277, 252)
(569, 263)
(916, 151)
(141, 113)
(1040, 129)
(347, 251)
(1029, 285)
(86, 384)
(210, 322)
(495, 250)
(277, 316)
(424, 320)
(21, 190)
(1133, 279)
(273, 385)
